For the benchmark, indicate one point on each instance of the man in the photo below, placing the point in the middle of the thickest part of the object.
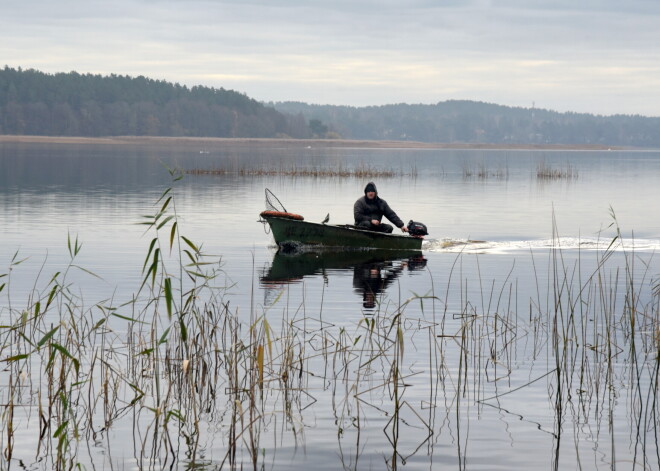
(369, 210)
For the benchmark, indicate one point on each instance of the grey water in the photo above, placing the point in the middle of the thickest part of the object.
(499, 237)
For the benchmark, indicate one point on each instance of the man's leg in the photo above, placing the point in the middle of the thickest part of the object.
(382, 227)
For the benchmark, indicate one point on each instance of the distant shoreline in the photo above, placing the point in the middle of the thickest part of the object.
(216, 142)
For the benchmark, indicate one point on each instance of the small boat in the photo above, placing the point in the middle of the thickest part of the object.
(291, 232)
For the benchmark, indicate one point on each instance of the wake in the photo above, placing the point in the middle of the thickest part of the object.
(563, 243)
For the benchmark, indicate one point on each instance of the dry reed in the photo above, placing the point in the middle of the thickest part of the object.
(546, 172)
(362, 171)
(177, 359)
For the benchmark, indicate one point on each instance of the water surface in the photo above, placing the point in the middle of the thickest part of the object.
(513, 263)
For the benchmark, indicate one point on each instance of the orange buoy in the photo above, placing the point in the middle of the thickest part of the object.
(280, 214)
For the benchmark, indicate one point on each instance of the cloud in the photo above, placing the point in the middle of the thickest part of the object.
(358, 52)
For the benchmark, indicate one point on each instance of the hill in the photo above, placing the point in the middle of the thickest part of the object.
(86, 105)
(476, 122)
(73, 104)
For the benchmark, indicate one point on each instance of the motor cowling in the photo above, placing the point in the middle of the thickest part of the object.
(417, 228)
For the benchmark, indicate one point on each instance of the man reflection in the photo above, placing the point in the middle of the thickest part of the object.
(369, 279)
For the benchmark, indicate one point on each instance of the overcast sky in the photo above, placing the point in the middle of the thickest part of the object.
(597, 56)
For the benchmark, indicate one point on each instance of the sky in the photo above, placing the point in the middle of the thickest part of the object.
(594, 56)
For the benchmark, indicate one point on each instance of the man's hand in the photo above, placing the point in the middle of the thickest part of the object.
(375, 222)
(404, 229)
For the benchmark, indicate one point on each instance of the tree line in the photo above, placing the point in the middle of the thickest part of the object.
(73, 104)
(458, 121)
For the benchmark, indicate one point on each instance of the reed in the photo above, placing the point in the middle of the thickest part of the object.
(482, 172)
(361, 171)
(182, 367)
(546, 172)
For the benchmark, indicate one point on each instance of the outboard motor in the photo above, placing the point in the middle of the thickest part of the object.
(417, 229)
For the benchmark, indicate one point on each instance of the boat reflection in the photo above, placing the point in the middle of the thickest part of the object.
(373, 277)
(372, 270)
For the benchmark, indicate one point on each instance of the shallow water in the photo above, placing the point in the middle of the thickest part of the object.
(508, 264)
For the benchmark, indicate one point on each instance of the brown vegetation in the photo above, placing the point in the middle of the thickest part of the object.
(359, 172)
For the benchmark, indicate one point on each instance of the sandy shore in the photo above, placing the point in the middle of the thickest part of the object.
(287, 143)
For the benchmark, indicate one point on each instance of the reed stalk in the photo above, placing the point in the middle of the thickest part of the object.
(178, 360)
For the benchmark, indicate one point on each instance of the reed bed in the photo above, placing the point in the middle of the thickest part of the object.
(199, 384)
(361, 171)
(482, 172)
(546, 172)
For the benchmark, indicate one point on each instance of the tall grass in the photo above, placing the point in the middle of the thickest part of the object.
(547, 172)
(361, 171)
(482, 172)
(196, 383)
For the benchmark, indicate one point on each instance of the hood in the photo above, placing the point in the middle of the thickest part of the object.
(371, 186)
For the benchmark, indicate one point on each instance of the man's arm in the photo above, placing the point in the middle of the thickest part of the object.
(391, 215)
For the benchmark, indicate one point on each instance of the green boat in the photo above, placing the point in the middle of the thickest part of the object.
(293, 233)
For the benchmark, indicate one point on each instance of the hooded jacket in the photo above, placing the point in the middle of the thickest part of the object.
(366, 209)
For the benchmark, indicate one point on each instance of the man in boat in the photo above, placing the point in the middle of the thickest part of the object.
(369, 210)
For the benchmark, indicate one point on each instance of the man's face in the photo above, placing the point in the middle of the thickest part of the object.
(371, 194)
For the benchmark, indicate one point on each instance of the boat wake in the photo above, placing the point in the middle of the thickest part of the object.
(563, 243)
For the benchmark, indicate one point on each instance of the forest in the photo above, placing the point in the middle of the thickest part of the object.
(74, 104)
(477, 122)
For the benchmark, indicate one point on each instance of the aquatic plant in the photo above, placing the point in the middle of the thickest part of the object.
(361, 171)
(482, 172)
(546, 172)
(199, 384)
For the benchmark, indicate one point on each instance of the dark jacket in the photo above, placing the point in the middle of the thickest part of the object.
(366, 209)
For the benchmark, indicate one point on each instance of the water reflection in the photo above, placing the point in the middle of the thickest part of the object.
(522, 360)
(373, 277)
(373, 271)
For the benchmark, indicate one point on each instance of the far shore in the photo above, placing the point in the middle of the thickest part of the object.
(215, 142)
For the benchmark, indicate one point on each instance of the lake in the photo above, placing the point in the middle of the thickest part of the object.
(525, 334)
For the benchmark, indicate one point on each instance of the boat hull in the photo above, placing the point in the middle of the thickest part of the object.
(293, 233)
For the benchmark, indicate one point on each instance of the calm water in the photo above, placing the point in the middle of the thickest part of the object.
(512, 403)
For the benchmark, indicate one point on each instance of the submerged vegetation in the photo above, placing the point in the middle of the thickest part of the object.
(192, 382)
